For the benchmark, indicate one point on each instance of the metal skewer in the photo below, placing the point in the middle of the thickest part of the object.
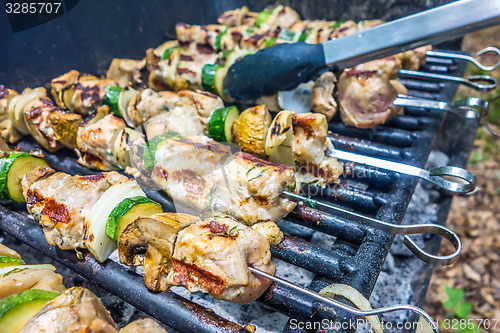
(395, 229)
(337, 304)
(466, 57)
(435, 175)
(482, 83)
(466, 108)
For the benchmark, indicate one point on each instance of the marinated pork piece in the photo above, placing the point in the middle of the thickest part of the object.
(145, 325)
(76, 310)
(95, 141)
(30, 278)
(185, 169)
(148, 104)
(270, 230)
(322, 100)
(50, 126)
(309, 145)
(61, 203)
(365, 98)
(126, 72)
(236, 17)
(413, 59)
(389, 66)
(7, 129)
(250, 189)
(213, 256)
(149, 241)
(79, 93)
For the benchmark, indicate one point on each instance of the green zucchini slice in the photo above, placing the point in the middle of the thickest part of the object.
(127, 211)
(111, 99)
(153, 145)
(13, 167)
(221, 122)
(208, 77)
(16, 310)
(8, 261)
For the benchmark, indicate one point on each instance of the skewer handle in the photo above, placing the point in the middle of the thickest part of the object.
(395, 229)
(336, 304)
(482, 83)
(466, 57)
(450, 178)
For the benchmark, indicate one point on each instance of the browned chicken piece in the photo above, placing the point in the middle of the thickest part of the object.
(270, 230)
(74, 311)
(389, 66)
(250, 189)
(50, 126)
(61, 203)
(282, 17)
(365, 98)
(213, 256)
(184, 169)
(6, 251)
(127, 72)
(344, 29)
(148, 104)
(237, 17)
(202, 35)
(79, 93)
(413, 59)
(309, 145)
(146, 325)
(7, 129)
(204, 102)
(30, 277)
(367, 24)
(96, 139)
(322, 100)
(149, 241)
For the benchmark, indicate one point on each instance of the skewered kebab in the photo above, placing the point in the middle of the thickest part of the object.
(34, 299)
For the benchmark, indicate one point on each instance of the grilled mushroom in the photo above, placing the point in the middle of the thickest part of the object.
(145, 325)
(149, 241)
(76, 310)
(250, 130)
(279, 139)
(322, 100)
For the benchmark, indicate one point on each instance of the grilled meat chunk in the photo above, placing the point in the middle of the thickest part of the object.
(80, 93)
(365, 98)
(203, 102)
(30, 278)
(6, 251)
(126, 72)
(76, 310)
(146, 325)
(60, 202)
(149, 241)
(213, 256)
(148, 104)
(413, 59)
(7, 129)
(322, 100)
(185, 169)
(95, 141)
(309, 145)
(250, 189)
(270, 230)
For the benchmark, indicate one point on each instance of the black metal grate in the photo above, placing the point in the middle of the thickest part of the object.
(357, 256)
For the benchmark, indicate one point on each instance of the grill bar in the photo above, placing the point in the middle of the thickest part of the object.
(355, 259)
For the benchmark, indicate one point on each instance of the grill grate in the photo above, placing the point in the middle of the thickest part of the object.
(355, 259)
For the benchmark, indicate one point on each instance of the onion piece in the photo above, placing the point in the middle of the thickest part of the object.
(356, 298)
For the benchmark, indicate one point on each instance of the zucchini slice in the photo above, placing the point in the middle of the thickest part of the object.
(16, 310)
(127, 212)
(218, 38)
(208, 77)
(13, 167)
(8, 261)
(168, 52)
(262, 18)
(220, 74)
(95, 238)
(153, 145)
(234, 56)
(220, 125)
(111, 99)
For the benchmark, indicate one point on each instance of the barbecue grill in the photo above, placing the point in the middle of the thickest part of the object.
(86, 38)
